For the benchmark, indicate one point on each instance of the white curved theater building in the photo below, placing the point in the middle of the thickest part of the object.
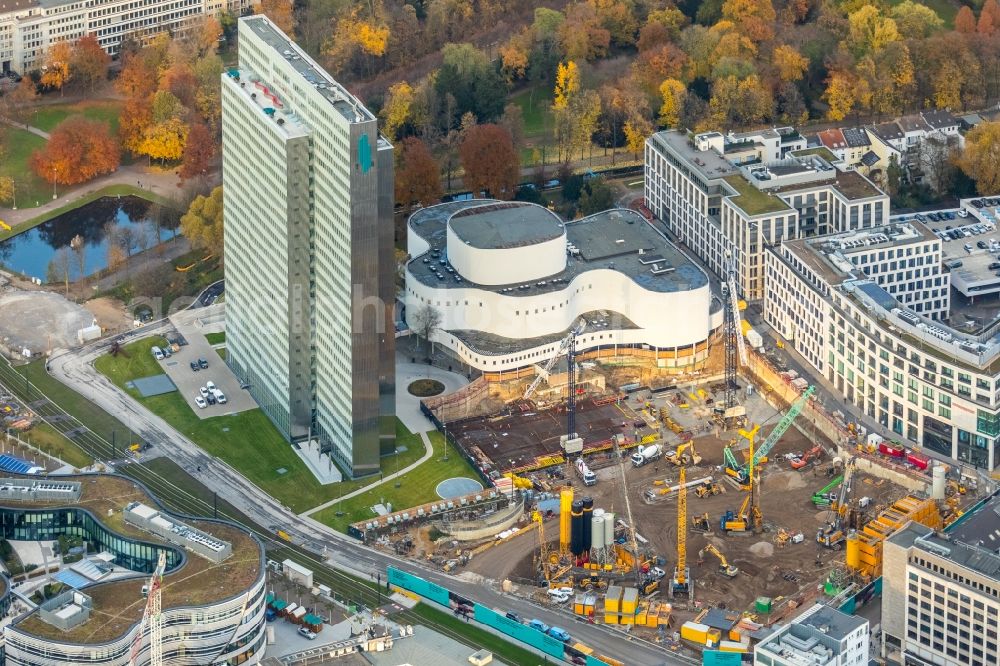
(509, 279)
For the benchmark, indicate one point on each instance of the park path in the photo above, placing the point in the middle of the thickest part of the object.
(34, 130)
(428, 452)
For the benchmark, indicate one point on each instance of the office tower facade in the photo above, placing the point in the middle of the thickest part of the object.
(308, 199)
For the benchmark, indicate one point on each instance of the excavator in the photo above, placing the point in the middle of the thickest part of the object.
(725, 568)
(681, 457)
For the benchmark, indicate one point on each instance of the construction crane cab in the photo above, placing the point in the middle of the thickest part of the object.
(831, 536)
(725, 568)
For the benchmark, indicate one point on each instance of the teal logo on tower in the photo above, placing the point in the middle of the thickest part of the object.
(364, 153)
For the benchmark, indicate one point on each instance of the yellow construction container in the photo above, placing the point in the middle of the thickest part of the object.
(732, 646)
(735, 635)
(630, 601)
(613, 599)
(864, 549)
(715, 636)
(695, 632)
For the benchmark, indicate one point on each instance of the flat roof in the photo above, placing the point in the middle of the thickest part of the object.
(16, 5)
(506, 225)
(349, 106)
(610, 239)
(981, 527)
(119, 604)
(851, 184)
(753, 201)
(820, 151)
(981, 559)
(707, 163)
(833, 623)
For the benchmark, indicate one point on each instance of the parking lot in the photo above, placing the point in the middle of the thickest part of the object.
(178, 368)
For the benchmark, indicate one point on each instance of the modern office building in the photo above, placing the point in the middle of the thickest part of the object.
(944, 592)
(213, 605)
(510, 279)
(308, 199)
(728, 198)
(29, 27)
(867, 309)
(821, 636)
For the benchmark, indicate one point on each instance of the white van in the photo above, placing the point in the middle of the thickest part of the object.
(219, 396)
(157, 353)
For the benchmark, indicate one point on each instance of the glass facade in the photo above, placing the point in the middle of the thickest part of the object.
(50, 524)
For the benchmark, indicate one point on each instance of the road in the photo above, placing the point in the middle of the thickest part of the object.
(75, 369)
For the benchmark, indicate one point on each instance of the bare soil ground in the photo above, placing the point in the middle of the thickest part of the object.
(110, 313)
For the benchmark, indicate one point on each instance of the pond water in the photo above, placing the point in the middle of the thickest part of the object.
(133, 224)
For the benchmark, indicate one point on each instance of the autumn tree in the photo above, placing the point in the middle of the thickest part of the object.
(672, 94)
(199, 149)
(869, 31)
(133, 120)
(56, 68)
(740, 103)
(78, 150)
(137, 78)
(567, 85)
(202, 224)
(165, 141)
(280, 13)
(396, 110)
(789, 63)
(965, 20)
(6, 190)
(914, 20)
(581, 35)
(17, 105)
(840, 95)
(490, 161)
(637, 130)
(418, 177)
(753, 18)
(88, 63)
(989, 18)
(981, 159)
(204, 34)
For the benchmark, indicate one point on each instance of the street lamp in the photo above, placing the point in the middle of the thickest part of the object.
(53, 183)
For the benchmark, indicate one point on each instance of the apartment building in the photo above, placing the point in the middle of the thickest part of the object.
(726, 210)
(309, 256)
(821, 636)
(29, 27)
(866, 310)
(944, 592)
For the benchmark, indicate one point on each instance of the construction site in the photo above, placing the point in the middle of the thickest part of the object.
(695, 510)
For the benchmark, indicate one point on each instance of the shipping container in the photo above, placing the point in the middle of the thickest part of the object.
(918, 460)
(891, 449)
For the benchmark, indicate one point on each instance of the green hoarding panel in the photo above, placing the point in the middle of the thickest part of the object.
(518, 631)
(417, 585)
(717, 658)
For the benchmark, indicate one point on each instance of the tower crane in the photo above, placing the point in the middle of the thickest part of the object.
(682, 576)
(740, 472)
(725, 568)
(733, 335)
(564, 346)
(152, 618)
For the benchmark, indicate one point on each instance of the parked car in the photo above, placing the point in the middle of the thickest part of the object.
(157, 353)
(210, 398)
(210, 385)
(195, 366)
(203, 391)
(981, 245)
(306, 633)
(963, 213)
(219, 395)
(559, 634)
(203, 364)
(200, 401)
(515, 617)
(541, 626)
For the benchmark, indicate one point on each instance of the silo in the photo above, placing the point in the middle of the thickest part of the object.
(938, 481)
(588, 511)
(609, 529)
(565, 517)
(576, 528)
(597, 532)
(853, 557)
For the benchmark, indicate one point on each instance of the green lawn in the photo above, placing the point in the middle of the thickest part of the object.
(230, 438)
(536, 109)
(49, 440)
(47, 118)
(215, 338)
(30, 190)
(415, 488)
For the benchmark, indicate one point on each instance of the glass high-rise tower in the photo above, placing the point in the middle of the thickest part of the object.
(308, 200)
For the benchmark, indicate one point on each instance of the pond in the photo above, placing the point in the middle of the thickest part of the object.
(128, 224)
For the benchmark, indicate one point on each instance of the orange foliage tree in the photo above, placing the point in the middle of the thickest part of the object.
(78, 150)
(418, 177)
(490, 161)
(199, 149)
(89, 63)
(55, 71)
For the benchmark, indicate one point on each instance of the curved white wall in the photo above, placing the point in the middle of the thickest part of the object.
(671, 319)
(511, 265)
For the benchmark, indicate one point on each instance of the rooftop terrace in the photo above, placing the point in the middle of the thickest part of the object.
(753, 201)
(708, 163)
(119, 604)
